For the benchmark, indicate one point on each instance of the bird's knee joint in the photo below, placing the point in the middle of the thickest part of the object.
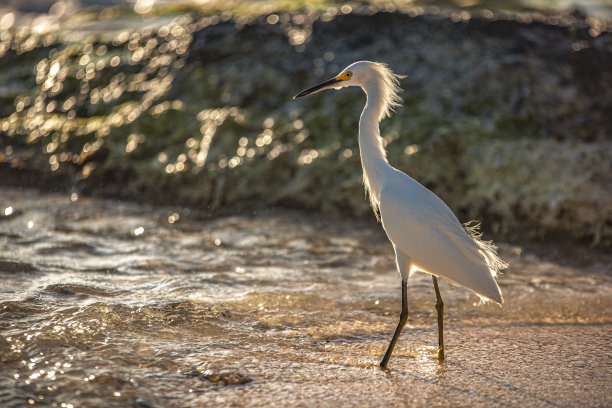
(440, 306)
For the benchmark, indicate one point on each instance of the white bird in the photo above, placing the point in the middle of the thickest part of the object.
(425, 234)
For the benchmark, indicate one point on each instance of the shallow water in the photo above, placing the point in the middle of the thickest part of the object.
(105, 303)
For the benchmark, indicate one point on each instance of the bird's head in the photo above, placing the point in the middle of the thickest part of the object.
(365, 74)
(356, 74)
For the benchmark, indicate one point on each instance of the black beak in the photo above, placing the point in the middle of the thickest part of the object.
(317, 88)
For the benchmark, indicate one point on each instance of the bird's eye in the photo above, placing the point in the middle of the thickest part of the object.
(345, 76)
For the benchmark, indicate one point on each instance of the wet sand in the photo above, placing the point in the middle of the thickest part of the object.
(105, 303)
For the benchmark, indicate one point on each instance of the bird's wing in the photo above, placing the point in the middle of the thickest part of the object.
(426, 230)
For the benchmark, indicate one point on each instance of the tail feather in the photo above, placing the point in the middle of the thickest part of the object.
(488, 250)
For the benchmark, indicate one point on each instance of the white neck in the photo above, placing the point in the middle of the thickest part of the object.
(373, 156)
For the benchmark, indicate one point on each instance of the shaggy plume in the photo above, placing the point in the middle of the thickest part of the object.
(389, 84)
(488, 250)
(374, 200)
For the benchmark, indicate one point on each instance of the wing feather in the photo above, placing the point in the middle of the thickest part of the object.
(423, 227)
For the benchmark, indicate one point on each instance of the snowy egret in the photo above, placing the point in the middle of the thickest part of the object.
(425, 234)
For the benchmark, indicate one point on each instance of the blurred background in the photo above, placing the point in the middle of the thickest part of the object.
(506, 110)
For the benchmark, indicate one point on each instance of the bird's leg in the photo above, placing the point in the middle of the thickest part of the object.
(400, 325)
(440, 309)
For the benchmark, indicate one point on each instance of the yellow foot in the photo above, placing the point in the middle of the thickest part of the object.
(441, 354)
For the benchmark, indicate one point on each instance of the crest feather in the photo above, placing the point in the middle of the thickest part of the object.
(390, 88)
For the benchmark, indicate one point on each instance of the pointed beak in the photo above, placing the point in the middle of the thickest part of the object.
(325, 85)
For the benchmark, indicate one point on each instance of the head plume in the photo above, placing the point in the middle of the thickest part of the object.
(389, 84)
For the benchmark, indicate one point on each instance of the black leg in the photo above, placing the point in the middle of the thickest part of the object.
(400, 325)
(440, 309)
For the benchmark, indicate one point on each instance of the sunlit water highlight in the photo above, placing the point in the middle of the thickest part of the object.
(111, 304)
